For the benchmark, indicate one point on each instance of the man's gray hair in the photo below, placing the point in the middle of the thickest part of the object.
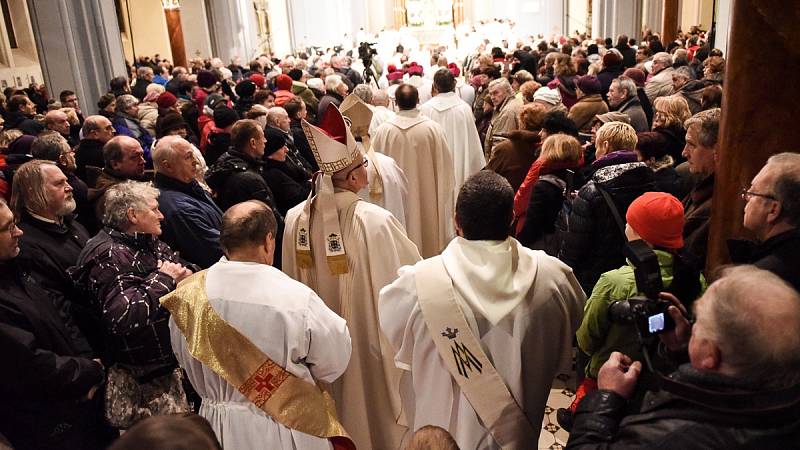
(143, 71)
(364, 92)
(708, 126)
(663, 58)
(786, 171)
(49, 146)
(627, 84)
(753, 317)
(123, 196)
(380, 98)
(332, 82)
(125, 101)
(503, 84)
(275, 113)
(684, 72)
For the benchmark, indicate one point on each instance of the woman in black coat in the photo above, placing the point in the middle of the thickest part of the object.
(290, 187)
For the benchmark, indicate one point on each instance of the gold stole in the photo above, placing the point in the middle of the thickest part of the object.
(466, 361)
(291, 401)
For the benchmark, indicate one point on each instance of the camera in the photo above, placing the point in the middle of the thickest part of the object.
(365, 52)
(646, 311)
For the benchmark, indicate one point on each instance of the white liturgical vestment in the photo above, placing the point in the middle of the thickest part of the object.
(291, 325)
(367, 395)
(458, 123)
(419, 147)
(522, 305)
(395, 187)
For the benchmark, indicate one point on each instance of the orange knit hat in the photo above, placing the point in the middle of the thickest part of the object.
(658, 218)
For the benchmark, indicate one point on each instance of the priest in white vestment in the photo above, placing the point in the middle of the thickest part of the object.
(523, 307)
(380, 110)
(416, 79)
(346, 250)
(419, 146)
(387, 185)
(458, 123)
(284, 319)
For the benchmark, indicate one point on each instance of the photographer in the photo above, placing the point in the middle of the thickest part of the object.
(657, 219)
(741, 388)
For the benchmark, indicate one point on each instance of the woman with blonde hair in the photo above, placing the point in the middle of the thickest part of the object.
(560, 155)
(669, 114)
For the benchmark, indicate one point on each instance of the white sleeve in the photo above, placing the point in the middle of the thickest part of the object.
(329, 345)
(397, 309)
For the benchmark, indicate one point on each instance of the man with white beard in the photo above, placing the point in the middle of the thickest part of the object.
(456, 118)
(43, 203)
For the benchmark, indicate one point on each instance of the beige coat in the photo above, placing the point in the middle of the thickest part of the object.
(660, 85)
(419, 147)
(583, 112)
(367, 395)
(504, 120)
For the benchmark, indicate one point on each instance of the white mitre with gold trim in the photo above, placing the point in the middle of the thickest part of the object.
(360, 116)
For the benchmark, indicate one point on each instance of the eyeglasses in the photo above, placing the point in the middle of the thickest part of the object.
(747, 195)
(364, 163)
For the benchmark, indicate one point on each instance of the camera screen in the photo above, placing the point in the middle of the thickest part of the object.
(656, 323)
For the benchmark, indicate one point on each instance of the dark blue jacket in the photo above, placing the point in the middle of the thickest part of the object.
(192, 221)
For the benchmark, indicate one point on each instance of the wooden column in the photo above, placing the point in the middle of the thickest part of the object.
(399, 14)
(670, 24)
(759, 115)
(175, 31)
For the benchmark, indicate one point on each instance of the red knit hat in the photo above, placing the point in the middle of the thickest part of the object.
(283, 82)
(658, 218)
(258, 79)
(166, 100)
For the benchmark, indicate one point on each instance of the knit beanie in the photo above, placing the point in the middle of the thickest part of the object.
(658, 218)
(283, 82)
(589, 85)
(611, 59)
(275, 140)
(245, 88)
(166, 100)
(637, 75)
(169, 122)
(225, 117)
(259, 80)
(547, 95)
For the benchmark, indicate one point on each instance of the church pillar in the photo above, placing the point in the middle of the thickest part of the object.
(653, 15)
(79, 46)
(399, 13)
(458, 12)
(172, 12)
(759, 109)
(610, 18)
(670, 25)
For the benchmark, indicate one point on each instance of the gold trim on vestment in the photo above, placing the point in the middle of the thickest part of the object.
(289, 400)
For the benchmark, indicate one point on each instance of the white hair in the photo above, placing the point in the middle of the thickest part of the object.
(123, 196)
(332, 82)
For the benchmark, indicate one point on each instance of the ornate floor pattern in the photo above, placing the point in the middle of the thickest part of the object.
(553, 437)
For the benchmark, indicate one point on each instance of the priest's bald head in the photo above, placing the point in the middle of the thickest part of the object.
(406, 96)
(485, 207)
(248, 233)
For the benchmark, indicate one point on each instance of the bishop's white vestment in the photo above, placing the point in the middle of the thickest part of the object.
(458, 123)
(376, 246)
(291, 325)
(522, 305)
(419, 147)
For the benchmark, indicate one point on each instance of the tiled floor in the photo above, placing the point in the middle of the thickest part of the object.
(553, 436)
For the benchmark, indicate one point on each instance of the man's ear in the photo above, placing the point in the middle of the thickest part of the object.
(774, 212)
(131, 215)
(459, 232)
(711, 357)
(269, 248)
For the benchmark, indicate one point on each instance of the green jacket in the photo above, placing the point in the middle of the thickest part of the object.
(597, 336)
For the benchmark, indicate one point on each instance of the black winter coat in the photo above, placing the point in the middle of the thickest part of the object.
(546, 202)
(23, 123)
(44, 382)
(707, 412)
(288, 190)
(88, 153)
(593, 242)
(779, 254)
(606, 76)
(48, 250)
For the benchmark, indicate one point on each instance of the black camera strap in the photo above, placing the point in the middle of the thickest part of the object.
(613, 208)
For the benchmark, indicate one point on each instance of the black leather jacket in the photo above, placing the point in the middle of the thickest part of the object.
(698, 411)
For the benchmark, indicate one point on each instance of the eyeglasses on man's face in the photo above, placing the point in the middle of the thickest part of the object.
(747, 195)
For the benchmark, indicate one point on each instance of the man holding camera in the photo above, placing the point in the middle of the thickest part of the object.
(741, 388)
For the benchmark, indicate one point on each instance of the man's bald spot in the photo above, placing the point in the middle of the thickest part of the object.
(242, 210)
(166, 150)
(54, 116)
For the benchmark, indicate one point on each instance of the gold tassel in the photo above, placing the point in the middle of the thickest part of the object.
(304, 260)
(338, 264)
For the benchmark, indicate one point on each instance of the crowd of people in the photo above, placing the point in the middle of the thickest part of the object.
(298, 254)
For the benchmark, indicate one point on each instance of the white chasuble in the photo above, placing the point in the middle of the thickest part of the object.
(367, 395)
(458, 123)
(419, 147)
(523, 306)
(291, 325)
